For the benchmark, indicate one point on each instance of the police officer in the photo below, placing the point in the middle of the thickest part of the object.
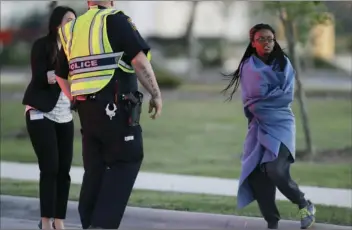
(104, 54)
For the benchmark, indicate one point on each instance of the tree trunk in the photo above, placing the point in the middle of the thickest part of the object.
(192, 44)
(52, 6)
(289, 33)
(224, 41)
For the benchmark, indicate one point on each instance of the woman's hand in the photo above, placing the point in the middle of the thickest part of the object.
(51, 77)
(52, 80)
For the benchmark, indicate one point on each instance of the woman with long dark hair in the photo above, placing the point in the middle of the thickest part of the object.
(266, 77)
(50, 124)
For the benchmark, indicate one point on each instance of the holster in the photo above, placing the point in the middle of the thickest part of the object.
(131, 104)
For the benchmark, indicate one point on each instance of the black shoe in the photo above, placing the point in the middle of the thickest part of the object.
(274, 225)
(53, 225)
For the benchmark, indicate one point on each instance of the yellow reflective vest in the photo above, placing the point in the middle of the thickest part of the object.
(92, 62)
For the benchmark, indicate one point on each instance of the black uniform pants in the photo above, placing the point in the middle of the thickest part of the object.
(53, 145)
(264, 180)
(112, 156)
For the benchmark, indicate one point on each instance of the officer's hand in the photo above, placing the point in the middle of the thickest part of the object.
(156, 104)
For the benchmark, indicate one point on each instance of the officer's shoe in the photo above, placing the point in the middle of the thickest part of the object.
(307, 216)
(273, 225)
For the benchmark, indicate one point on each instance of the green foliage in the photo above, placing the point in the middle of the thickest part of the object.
(320, 63)
(33, 21)
(16, 54)
(302, 14)
(166, 80)
(210, 52)
(342, 13)
(349, 44)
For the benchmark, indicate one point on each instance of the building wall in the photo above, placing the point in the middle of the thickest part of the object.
(169, 18)
(159, 18)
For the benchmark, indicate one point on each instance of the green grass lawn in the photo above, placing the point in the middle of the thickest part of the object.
(310, 90)
(206, 138)
(14, 87)
(194, 203)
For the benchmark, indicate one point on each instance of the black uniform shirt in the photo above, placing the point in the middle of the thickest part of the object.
(123, 36)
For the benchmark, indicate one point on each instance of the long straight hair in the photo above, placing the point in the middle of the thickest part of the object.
(54, 22)
(277, 54)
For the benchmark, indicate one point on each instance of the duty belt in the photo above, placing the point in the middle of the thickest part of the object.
(129, 104)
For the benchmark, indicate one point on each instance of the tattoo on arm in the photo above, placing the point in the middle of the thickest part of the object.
(145, 73)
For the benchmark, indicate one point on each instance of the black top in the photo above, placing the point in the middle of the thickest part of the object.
(123, 36)
(39, 93)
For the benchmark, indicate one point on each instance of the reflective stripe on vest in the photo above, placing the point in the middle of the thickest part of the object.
(94, 63)
(91, 59)
(65, 34)
(129, 69)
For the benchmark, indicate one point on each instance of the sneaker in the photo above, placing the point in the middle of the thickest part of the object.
(273, 225)
(307, 216)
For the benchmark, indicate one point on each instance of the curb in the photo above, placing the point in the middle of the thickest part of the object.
(147, 218)
(183, 183)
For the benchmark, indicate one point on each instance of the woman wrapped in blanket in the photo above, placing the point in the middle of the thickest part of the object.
(267, 86)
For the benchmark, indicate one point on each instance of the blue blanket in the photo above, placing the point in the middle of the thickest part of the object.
(267, 94)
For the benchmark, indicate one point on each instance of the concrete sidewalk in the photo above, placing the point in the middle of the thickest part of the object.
(23, 208)
(14, 223)
(185, 184)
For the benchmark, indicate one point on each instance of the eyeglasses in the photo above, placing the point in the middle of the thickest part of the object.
(263, 40)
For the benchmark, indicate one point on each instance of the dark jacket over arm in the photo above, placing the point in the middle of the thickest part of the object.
(39, 94)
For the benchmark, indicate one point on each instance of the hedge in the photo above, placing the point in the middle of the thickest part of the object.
(166, 80)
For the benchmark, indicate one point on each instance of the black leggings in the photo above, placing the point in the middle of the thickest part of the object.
(53, 145)
(276, 174)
